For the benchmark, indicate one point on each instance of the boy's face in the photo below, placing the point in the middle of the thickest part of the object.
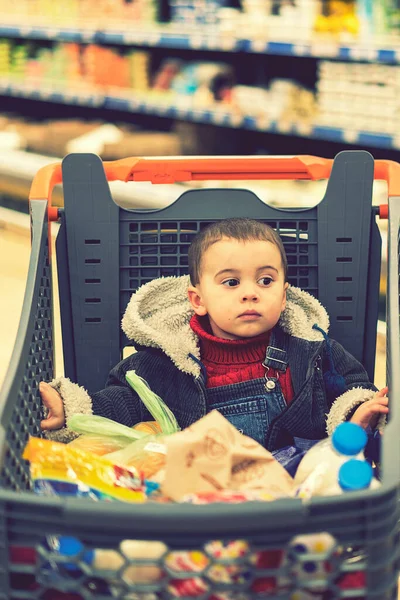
(241, 289)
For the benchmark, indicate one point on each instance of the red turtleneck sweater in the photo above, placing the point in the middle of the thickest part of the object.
(234, 361)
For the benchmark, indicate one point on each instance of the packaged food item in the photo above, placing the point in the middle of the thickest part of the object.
(103, 436)
(109, 439)
(212, 455)
(147, 456)
(151, 552)
(58, 469)
(149, 427)
(97, 444)
(312, 576)
(106, 428)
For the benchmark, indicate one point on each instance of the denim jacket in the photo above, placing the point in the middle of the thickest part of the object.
(168, 358)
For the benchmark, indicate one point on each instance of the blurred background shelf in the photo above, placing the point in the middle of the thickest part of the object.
(166, 36)
(218, 116)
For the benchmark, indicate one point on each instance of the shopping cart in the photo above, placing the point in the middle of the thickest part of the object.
(104, 253)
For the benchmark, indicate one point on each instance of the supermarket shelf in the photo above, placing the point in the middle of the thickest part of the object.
(182, 110)
(171, 37)
(159, 36)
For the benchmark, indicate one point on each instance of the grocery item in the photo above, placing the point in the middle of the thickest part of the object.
(154, 404)
(140, 447)
(58, 469)
(97, 444)
(100, 426)
(317, 473)
(110, 561)
(147, 456)
(308, 561)
(355, 475)
(149, 427)
(107, 444)
(212, 455)
(117, 437)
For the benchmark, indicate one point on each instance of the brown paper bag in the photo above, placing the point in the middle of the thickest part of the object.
(212, 455)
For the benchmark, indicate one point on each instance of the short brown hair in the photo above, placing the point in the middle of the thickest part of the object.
(238, 229)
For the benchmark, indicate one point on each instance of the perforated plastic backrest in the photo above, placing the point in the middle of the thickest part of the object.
(105, 253)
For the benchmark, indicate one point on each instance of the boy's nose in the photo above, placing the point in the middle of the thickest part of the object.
(250, 295)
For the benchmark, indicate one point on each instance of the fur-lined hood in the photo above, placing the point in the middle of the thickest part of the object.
(158, 316)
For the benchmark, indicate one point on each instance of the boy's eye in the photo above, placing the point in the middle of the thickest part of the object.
(231, 282)
(265, 280)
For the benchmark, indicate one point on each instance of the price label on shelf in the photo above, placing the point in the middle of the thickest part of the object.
(259, 45)
(284, 126)
(45, 93)
(154, 38)
(182, 112)
(86, 35)
(301, 49)
(212, 43)
(70, 97)
(51, 33)
(236, 120)
(263, 123)
(129, 37)
(396, 142)
(196, 41)
(363, 53)
(219, 116)
(141, 38)
(324, 48)
(25, 30)
(304, 129)
(82, 99)
(97, 100)
(162, 108)
(350, 136)
(152, 107)
(227, 42)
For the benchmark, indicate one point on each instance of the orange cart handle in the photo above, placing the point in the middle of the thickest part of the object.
(173, 170)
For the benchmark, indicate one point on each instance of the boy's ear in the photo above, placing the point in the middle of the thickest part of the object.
(285, 287)
(196, 301)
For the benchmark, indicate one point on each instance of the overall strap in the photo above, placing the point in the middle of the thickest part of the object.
(276, 352)
(275, 357)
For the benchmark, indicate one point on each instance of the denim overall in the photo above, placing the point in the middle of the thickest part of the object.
(251, 406)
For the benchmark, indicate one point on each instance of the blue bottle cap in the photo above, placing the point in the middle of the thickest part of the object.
(355, 475)
(349, 439)
(70, 546)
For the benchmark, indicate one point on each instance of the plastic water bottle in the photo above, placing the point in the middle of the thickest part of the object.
(355, 475)
(318, 472)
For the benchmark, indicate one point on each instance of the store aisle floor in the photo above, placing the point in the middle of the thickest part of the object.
(14, 261)
(15, 250)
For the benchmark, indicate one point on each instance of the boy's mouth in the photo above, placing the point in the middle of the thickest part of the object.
(249, 315)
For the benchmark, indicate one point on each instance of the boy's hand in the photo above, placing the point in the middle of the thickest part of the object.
(368, 412)
(53, 402)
